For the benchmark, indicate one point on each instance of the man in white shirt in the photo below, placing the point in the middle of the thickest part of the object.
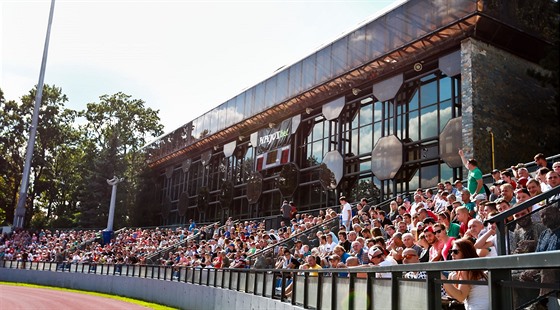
(346, 213)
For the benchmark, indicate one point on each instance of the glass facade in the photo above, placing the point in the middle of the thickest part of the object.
(416, 115)
(409, 22)
(396, 78)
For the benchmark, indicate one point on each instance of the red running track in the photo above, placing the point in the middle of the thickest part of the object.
(21, 297)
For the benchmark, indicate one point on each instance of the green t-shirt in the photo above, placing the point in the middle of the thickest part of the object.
(472, 183)
(453, 230)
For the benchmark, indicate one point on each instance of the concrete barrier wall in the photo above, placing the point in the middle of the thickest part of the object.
(173, 294)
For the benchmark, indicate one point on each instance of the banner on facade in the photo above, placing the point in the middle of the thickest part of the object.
(278, 135)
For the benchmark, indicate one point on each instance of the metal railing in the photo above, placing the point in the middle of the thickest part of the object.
(327, 289)
(502, 222)
(156, 256)
(308, 236)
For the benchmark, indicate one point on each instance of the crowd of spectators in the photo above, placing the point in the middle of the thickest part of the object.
(430, 225)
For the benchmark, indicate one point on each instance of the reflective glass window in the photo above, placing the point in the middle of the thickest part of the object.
(339, 55)
(378, 111)
(295, 79)
(414, 182)
(366, 115)
(357, 47)
(259, 104)
(270, 92)
(324, 61)
(446, 173)
(235, 112)
(428, 93)
(445, 88)
(365, 140)
(445, 113)
(282, 86)
(376, 132)
(308, 72)
(429, 176)
(317, 151)
(365, 165)
(428, 122)
(249, 104)
(356, 142)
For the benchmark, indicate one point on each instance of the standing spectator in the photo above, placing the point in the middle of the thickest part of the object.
(293, 210)
(474, 183)
(286, 212)
(346, 213)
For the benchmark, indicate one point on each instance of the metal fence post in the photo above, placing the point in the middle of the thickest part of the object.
(501, 297)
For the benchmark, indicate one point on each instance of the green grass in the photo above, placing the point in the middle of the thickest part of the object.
(126, 299)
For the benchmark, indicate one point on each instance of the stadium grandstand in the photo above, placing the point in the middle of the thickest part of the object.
(366, 157)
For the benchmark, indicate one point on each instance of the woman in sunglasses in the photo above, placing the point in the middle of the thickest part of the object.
(473, 296)
(441, 234)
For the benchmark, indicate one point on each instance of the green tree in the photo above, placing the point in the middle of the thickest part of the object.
(54, 133)
(117, 127)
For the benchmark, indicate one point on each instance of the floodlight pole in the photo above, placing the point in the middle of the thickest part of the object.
(113, 182)
(19, 213)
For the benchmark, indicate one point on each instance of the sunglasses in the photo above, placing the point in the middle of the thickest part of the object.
(409, 256)
(454, 251)
(437, 231)
(376, 256)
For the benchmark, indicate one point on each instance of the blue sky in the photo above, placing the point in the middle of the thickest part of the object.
(182, 57)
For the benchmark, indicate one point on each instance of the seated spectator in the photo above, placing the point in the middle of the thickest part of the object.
(473, 296)
(453, 229)
(359, 252)
(352, 262)
(378, 258)
(486, 243)
(441, 234)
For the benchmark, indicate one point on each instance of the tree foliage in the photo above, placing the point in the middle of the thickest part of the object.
(75, 153)
(116, 128)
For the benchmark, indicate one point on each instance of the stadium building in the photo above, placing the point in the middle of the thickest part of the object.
(380, 111)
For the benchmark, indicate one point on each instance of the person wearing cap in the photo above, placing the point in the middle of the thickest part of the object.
(346, 213)
(377, 257)
(474, 180)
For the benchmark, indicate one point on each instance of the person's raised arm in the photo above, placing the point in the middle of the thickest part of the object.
(463, 159)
